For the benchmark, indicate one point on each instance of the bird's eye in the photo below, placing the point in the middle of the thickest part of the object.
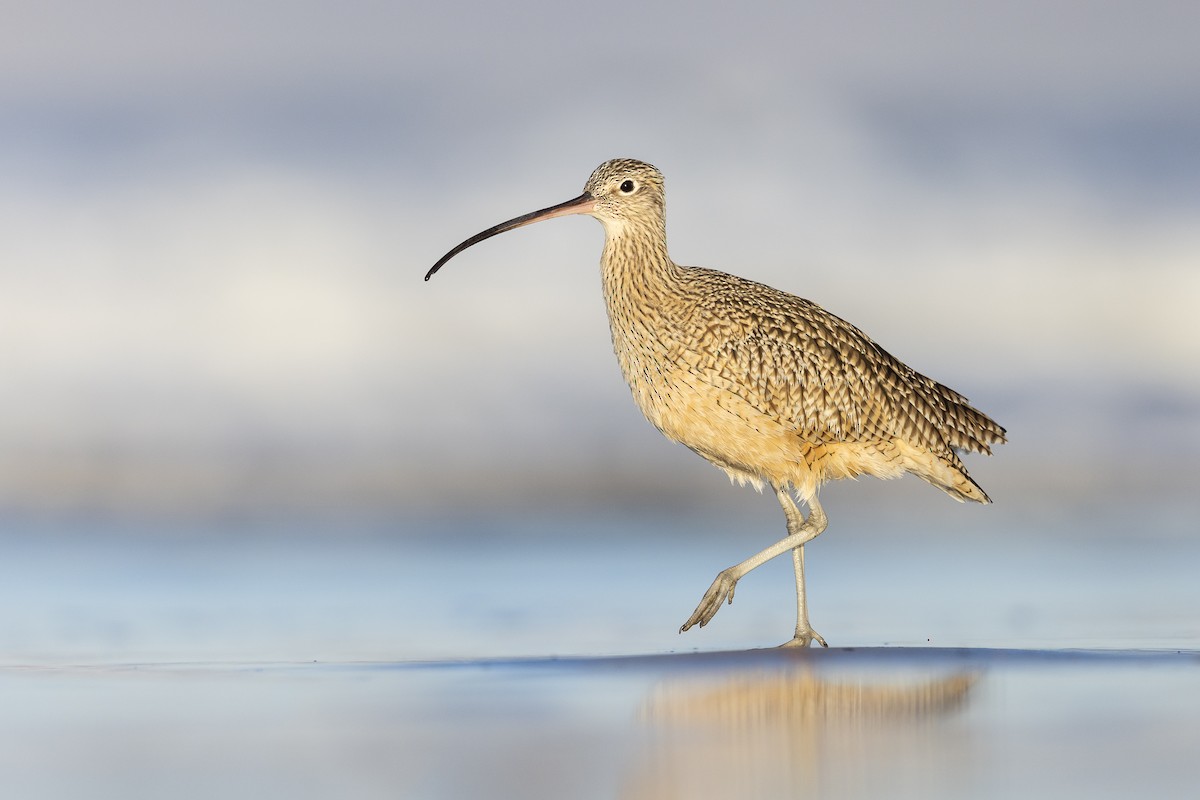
(627, 187)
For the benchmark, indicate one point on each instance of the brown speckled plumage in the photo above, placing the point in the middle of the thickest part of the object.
(768, 386)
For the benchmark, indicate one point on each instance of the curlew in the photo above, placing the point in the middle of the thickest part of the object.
(767, 386)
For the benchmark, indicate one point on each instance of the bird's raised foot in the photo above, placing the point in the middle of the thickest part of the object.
(720, 592)
(805, 638)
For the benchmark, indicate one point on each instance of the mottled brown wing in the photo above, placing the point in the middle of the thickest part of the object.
(798, 363)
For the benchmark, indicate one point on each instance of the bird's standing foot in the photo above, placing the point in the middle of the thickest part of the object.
(804, 638)
(720, 592)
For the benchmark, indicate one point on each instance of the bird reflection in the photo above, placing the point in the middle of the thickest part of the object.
(796, 734)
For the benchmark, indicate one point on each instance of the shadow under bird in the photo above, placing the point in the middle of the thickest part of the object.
(767, 386)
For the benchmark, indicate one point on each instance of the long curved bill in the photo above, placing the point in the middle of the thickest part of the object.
(579, 205)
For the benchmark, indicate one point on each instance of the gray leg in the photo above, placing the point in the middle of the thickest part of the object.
(816, 521)
(800, 531)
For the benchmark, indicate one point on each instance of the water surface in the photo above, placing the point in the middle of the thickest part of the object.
(539, 658)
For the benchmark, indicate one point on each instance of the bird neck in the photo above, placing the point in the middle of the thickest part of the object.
(635, 265)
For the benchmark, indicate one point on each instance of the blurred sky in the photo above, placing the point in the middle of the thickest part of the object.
(215, 218)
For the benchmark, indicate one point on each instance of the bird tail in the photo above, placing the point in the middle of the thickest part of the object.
(973, 431)
(944, 470)
(960, 485)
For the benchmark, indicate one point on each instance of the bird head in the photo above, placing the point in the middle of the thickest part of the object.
(620, 192)
(624, 191)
